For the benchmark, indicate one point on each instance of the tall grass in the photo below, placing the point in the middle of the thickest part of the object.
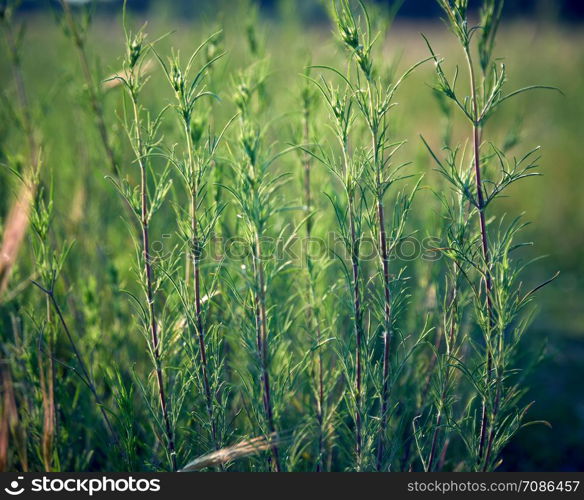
(498, 299)
(142, 132)
(258, 323)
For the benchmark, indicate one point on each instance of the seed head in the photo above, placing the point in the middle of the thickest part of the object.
(364, 61)
(250, 144)
(135, 49)
(348, 30)
(177, 78)
(350, 36)
(241, 96)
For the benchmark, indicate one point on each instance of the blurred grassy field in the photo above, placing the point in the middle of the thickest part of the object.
(536, 53)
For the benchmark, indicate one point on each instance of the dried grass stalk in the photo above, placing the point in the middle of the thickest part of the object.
(8, 416)
(226, 455)
(114, 80)
(16, 225)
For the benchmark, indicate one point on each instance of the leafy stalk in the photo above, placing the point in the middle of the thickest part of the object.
(349, 170)
(313, 320)
(374, 99)
(188, 93)
(498, 303)
(255, 194)
(144, 208)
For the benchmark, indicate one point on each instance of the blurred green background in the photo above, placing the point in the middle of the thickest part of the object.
(542, 44)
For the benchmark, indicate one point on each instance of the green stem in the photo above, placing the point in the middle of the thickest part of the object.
(476, 131)
(144, 223)
(312, 317)
(262, 345)
(200, 325)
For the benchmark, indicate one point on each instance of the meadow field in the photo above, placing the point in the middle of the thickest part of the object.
(279, 254)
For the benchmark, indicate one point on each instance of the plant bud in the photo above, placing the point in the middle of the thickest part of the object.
(135, 50)
(178, 81)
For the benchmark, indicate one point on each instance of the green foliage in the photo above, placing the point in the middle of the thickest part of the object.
(201, 300)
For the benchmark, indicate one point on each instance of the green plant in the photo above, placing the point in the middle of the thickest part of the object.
(142, 133)
(197, 225)
(374, 97)
(308, 97)
(365, 317)
(349, 170)
(499, 301)
(256, 195)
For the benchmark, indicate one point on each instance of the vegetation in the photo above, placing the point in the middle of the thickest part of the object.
(208, 265)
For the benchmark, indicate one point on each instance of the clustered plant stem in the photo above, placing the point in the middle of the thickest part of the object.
(147, 261)
(374, 99)
(195, 254)
(262, 344)
(312, 311)
(228, 375)
(498, 301)
(256, 199)
(199, 159)
(476, 142)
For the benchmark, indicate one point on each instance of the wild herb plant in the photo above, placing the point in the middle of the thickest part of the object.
(499, 301)
(48, 269)
(197, 224)
(349, 169)
(256, 358)
(145, 201)
(314, 327)
(50, 263)
(373, 93)
(374, 97)
(255, 196)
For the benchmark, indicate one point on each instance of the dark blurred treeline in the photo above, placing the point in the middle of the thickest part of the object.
(313, 10)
